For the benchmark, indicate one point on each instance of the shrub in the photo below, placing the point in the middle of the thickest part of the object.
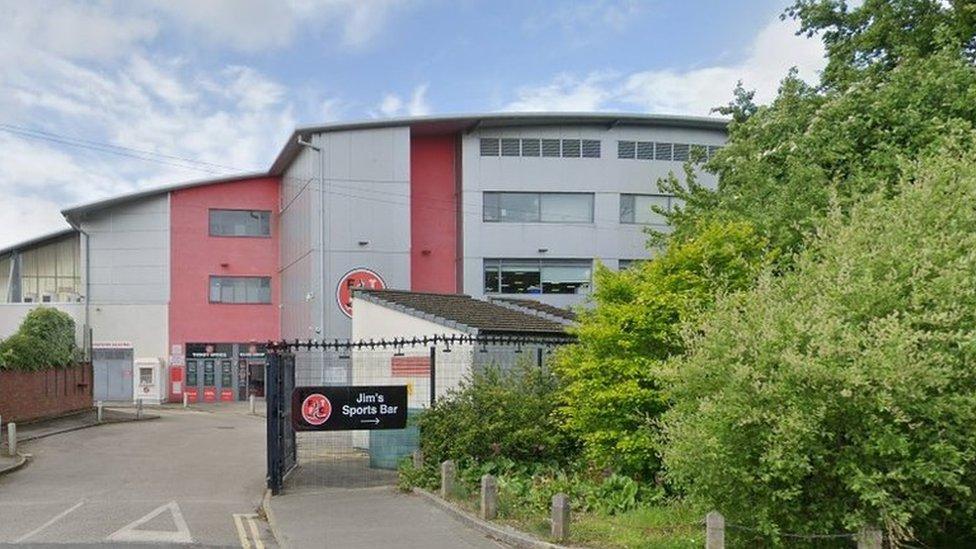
(496, 414)
(612, 395)
(843, 393)
(45, 339)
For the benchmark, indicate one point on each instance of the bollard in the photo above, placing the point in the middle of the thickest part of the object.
(870, 537)
(186, 400)
(714, 531)
(138, 408)
(418, 459)
(11, 439)
(99, 413)
(252, 399)
(448, 479)
(489, 497)
(560, 517)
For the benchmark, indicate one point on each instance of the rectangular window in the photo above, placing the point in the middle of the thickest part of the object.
(626, 149)
(645, 150)
(680, 152)
(489, 146)
(191, 373)
(712, 149)
(145, 376)
(510, 147)
(240, 223)
(637, 208)
(516, 207)
(591, 148)
(537, 276)
(571, 148)
(531, 147)
(662, 151)
(240, 289)
(550, 147)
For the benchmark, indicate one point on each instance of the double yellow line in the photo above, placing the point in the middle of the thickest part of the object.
(246, 543)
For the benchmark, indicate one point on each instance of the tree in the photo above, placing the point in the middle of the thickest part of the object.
(843, 392)
(612, 396)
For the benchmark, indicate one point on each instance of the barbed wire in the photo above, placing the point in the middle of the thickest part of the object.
(402, 342)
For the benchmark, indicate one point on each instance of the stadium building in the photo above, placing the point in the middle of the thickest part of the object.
(175, 289)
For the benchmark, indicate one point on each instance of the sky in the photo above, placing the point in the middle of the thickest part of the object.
(106, 97)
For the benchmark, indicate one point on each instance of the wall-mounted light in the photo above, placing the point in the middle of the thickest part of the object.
(364, 242)
(424, 252)
(225, 265)
(543, 250)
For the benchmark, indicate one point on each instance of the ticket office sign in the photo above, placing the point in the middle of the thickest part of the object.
(349, 407)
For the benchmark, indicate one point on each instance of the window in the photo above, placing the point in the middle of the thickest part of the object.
(537, 276)
(240, 289)
(550, 147)
(645, 150)
(626, 149)
(636, 208)
(510, 147)
(516, 207)
(145, 376)
(531, 147)
(680, 152)
(489, 146)
(625, 264)
(571, 148)
(591, 148)
(662, 151)
(240, 223)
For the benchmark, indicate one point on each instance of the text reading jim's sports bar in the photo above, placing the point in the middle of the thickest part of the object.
(349, 407)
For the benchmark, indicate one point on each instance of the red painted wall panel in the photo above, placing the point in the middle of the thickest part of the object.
(195, 256)
(433, 214)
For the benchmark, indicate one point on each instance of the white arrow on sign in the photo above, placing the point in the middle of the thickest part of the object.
(374, 421)
(130, 533)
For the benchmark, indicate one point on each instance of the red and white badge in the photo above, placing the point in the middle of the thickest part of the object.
(316, 409)
(356, 278)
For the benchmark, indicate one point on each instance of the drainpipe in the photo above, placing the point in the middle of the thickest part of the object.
(320, 329)
(87, 252)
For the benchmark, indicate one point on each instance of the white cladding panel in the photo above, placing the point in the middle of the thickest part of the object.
(129, 247)
(606, 177)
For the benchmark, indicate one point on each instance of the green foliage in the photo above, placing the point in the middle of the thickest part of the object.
(843, 392)
(612, 395)
(45, 339)
(496, 414)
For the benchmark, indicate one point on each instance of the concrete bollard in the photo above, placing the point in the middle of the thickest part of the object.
(489, 497)
(138, 408)
(418, 459)
(11, 439)
(186, 400)
(560, 517)
(252, 400)
(98, 414)
(714, 531)
(448, 479)
(870, 537)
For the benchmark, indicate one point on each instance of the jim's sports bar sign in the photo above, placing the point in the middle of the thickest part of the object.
(349, 408)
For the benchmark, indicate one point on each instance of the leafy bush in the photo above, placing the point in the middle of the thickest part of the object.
(612, 395)
(496, 414)
(843, 393)
(45, 339)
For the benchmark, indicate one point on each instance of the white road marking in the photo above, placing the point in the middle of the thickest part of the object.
(181, 535)
(241, 534)
(56, 518)
(258, 544)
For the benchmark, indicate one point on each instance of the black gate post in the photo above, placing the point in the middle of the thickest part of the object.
(273, 398)
(433, 375)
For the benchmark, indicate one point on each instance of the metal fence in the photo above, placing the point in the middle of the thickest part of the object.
(429, 367)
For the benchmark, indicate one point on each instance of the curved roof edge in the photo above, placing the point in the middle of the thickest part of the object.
(37, 240)
(80, 209)
(467, 122)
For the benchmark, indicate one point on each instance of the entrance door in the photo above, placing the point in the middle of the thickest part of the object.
(209, 380)
(193, 379)
(113, 374)
(227, 388)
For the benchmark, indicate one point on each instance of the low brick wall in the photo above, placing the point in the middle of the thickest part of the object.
(25, 396)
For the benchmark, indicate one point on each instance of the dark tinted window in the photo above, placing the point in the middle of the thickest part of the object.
(240, 289)
(240, 223)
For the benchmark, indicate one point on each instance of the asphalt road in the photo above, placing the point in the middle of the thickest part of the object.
(189, 477)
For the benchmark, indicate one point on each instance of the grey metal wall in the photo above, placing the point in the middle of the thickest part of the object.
(605, 239)
(366, 224)
(129, 247)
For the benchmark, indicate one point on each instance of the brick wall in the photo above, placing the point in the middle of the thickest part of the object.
(25, 396)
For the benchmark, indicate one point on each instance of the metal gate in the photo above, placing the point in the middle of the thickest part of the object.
(427, 367)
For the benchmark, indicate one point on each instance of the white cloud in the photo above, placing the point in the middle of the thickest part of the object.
(693, 91)
(254, 25)
(393, 105)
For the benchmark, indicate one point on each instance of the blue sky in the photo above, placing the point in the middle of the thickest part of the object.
(224, 81)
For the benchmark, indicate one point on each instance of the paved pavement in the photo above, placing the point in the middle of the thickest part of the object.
(80, 420)
(188, 477)
(367, 518)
